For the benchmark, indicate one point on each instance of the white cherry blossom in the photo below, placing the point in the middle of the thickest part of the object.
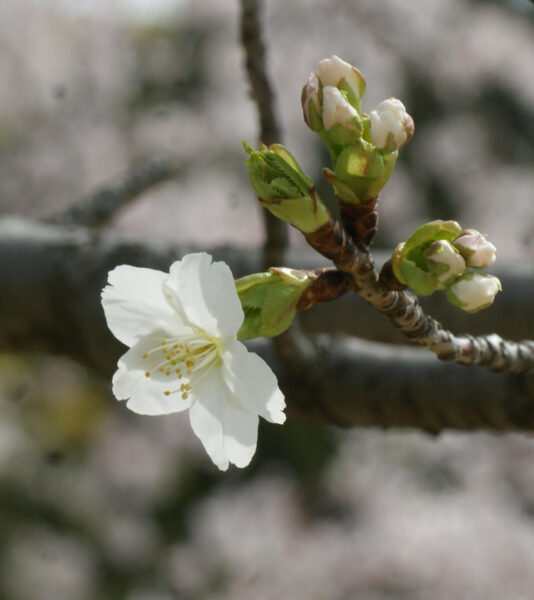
(181, 328)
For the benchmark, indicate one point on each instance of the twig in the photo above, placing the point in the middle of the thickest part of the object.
(262, 93)
(328, 284)
(100, 207)
(406, 313)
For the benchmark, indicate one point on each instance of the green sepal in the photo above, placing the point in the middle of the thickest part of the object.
(315, 115)
(377, 184)
(339, 135)
(407, 272)
(431, 232)
(348, 92)
(361, 171)
(307, 213)
(269, 301)
(359, 160)
(409, 261)
(341, 189)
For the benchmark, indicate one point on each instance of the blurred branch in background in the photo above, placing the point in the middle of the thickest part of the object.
(296, 352)
(99, 208)
(263, 95)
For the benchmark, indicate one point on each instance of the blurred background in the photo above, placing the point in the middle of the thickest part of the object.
(98, 503)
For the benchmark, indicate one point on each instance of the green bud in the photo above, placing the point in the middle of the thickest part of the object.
(284, 189)
(410, 260)
(360, 172)
(269, 301)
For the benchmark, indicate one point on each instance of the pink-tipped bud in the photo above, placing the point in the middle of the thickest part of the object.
(310, 93)
(475, 249)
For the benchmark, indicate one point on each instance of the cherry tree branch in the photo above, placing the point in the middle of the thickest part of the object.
(97, 209)
(406, 313)
(270, 132)
(52, 277)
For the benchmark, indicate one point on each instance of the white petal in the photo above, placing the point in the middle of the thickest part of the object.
(336, 109)
(252, 381)
(228, 434)
(332, 70)
(134, 303)
(146, 395)
(207, 294)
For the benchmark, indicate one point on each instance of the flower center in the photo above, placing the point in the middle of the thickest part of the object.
(188, 359)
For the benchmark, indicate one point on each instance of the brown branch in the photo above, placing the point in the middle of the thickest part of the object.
(377, 385)
(100, 207)
(328, 284)
(276, 231)
(360, 221)
(52, 277)
(407, 314)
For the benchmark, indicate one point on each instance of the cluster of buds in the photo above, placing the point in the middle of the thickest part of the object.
(437, 257)
(363, 148)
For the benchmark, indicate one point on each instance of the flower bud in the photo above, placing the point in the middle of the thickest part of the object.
(338, 73)
(444, 261)
(420, 262)
(475, 249)
(473, 291)
(284, 189)
(391, 125)
(337, 110)
(311, 106)
(269, 300)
